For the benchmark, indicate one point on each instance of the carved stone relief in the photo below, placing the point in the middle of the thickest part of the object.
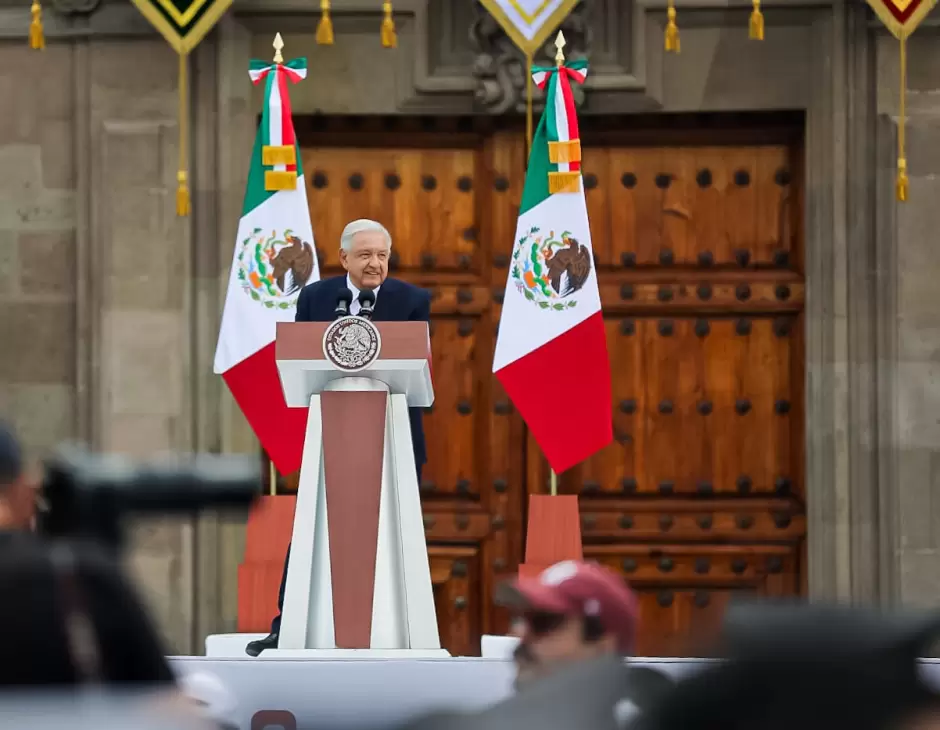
(499, 67)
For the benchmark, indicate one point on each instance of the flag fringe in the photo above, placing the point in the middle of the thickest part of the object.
(275, 180)
(280, 155)
(564, 182)
(564, 151)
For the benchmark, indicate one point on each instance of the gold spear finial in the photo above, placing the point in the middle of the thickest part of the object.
(559, 44)
(278, 47)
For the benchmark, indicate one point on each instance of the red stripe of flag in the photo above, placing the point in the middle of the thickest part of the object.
(256, 387)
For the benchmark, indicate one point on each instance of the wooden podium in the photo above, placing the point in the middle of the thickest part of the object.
(358, 580)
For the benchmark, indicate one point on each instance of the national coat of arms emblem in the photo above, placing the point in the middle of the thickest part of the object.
(273, 267)
(352, 343)
(549, 269)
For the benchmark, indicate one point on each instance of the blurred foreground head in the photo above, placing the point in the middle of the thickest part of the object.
(573, 612)
(70, 619)
(812, 667)
(587, 695)
(18, 484)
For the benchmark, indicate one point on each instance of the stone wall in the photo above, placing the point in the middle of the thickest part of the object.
(38, 381)
(110, 304)
(916, 325)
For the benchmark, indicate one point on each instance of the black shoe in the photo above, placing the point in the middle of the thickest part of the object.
(254, 648)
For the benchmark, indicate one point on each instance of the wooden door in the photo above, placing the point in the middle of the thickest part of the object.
(699, 252)
(701, 495)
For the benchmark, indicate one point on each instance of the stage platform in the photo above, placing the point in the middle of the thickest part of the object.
(232, 646)
(352, 694)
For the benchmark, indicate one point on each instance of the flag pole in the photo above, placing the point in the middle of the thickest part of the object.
(559, 61)
(553, 523)
(528, 103)
(278, 46)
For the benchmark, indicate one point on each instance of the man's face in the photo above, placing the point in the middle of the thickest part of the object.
(367, 259)
(549, 642)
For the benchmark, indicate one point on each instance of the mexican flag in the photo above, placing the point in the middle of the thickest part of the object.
(551, 353)
(274, 259)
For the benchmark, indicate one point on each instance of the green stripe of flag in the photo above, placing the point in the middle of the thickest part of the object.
(535, 189)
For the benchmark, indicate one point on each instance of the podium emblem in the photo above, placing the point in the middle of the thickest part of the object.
(352, 344)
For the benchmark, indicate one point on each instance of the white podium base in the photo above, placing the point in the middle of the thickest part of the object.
(404, 619)
(354, 654)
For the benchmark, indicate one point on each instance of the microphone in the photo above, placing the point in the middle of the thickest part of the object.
(366, 302)
(343, 300)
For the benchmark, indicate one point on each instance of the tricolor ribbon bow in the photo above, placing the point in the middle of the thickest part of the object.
(279, 149)
(576, 71)
(561, 122)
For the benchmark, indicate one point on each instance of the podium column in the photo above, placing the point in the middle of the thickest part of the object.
(355, 410)
(358, 584)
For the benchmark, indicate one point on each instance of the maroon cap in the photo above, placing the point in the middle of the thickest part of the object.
(574, 588)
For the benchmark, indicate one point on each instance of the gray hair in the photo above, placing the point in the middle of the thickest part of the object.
(362, 225)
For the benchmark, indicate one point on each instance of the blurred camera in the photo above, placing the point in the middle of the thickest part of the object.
(88, 495)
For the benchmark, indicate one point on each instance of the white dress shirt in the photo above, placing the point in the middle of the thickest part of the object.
(354, 306)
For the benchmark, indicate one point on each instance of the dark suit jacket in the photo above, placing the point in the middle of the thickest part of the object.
(397, 301)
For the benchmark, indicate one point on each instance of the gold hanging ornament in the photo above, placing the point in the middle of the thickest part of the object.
(183, 202)
(389, 38)
(325, 26)
(37, 38)
(672, 30)
(902, 181)
(902, 17)
(183, 23)
(756, 32)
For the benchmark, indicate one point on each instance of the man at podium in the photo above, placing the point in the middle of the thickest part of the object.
(365, 290)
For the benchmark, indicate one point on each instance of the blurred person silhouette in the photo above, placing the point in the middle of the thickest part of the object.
(813, 667)
(573, 612)
(19, 486)
(583, 694)
(72, 619)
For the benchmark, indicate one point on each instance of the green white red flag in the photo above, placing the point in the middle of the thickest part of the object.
(274, 259)
(551, 352)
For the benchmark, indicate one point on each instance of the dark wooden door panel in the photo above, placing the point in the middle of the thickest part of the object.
(701, 406)
(455, 578)
(684, 589)
(688, 206)
(699, 254)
